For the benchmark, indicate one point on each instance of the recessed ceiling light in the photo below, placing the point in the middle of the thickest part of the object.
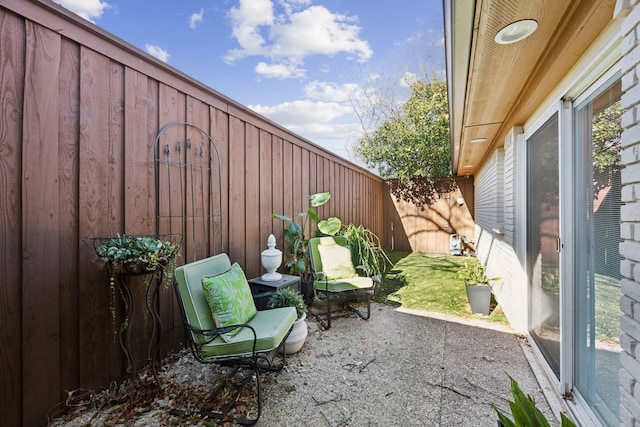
(478, 140)
(468, 166)
(516, 31)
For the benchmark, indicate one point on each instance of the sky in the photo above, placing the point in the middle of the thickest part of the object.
(303, 64)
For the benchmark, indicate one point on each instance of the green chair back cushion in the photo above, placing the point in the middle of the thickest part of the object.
(336, 260)
(229, 298)
(188, 279)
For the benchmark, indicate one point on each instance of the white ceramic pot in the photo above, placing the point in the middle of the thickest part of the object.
(297, 337)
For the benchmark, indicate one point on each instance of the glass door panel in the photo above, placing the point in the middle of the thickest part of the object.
(597, 237)
(543, 257)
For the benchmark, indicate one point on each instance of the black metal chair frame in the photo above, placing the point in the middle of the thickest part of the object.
(254, 363)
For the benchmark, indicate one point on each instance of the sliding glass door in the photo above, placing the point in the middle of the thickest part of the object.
(543, 257)
(597, 200)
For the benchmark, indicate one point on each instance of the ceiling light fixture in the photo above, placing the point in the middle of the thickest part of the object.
(516, 31)
(478, 140)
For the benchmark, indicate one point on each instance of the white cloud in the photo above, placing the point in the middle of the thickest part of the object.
(329, 124)
(293, 34)
(329, 91)
(157, 51)
(279, 71)
(87, 9)
(247, 21)
(195, 19)
(317, 31)
(295, 113)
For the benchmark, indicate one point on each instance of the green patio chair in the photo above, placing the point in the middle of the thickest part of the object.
(335, 277)
(223, 326)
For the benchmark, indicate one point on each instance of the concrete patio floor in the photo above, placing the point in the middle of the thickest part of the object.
(401, 368)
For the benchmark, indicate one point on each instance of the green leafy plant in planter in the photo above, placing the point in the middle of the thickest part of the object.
(294, 234)
(137, 254)
(288, 298)
(366, 250)
(126, 254)
(291, 298)
(525, 413)
(477, 286)
(475, 274)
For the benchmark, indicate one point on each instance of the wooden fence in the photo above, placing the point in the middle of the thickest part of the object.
(80, 112)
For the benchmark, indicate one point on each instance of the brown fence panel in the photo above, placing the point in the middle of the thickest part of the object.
(427, 228)
(12, 74)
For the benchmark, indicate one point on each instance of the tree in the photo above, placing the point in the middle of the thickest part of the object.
(411, 148)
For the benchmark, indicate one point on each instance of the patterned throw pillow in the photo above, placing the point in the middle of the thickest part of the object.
(336, 262)
(229, 298)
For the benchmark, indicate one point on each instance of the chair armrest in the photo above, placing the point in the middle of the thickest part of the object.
(319, 275)
(214, 333)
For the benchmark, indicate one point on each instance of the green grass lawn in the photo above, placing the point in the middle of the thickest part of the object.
(430, 282)
(607, 308)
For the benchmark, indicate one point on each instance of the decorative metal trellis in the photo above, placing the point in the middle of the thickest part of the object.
(188, 190)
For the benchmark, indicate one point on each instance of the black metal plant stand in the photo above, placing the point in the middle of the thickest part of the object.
(127, 325)
(125, 258)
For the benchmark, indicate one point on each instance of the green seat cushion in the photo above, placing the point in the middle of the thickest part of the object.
(230, 299)
(347, 284)
(271, 328)
(336, 261)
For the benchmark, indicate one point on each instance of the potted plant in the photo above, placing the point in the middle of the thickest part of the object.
(133, 255)
(477, 286)
(294, 234)
(124, 254)
(288, 297)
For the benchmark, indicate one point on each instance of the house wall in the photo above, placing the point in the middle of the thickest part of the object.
(630, 216)
(496, 191)
(502, 252)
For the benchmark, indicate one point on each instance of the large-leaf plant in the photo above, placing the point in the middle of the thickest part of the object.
(295, 233)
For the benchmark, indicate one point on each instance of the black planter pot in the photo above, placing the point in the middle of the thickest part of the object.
(479, 298)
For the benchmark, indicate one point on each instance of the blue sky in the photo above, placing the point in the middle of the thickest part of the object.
(301, 63)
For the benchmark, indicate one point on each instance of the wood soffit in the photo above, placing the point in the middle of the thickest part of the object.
(505, 83)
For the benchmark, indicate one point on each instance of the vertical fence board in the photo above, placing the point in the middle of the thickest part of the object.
(68, 127)
(97, 181)
(296, 185)
(197, 152)
(220, 135)
(40, 280)
(237, 194)
(139, 211)
(11, 92)
(266, 193)
(277, 190)
(287, 189)
(252, 195)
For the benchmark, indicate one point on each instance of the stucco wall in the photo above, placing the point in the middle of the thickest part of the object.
(630, 216)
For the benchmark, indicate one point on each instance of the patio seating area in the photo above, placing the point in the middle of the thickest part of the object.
(397, 368)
